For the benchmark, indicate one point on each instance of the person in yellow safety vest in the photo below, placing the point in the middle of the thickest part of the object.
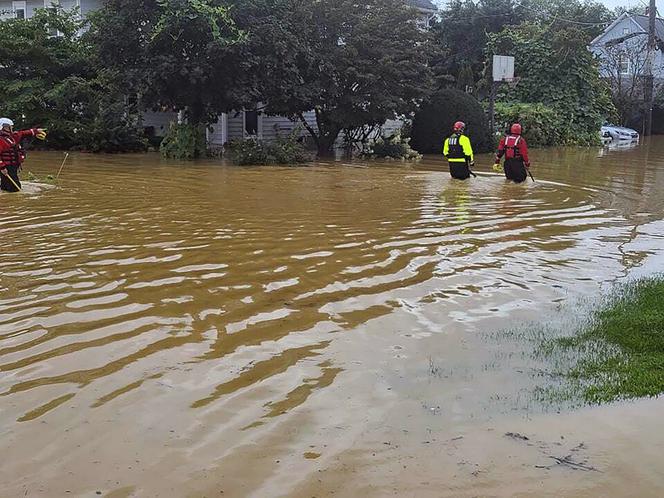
(459, 153)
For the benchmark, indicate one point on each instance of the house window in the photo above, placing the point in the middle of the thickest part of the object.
(623, 66)
(625, 31)
(251, 123)
(19, 9)
(424, 21)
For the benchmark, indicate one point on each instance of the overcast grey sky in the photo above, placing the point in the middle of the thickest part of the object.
(609, 3)
(625, 3)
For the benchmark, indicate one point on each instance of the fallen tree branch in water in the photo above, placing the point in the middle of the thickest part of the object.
(577, 466)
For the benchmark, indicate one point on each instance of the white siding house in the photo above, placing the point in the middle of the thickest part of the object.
(621, 48)
(243, 124)
(24, 9)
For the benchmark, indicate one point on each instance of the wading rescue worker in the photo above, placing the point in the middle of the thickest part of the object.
(459, 153)
(12, 154)
(513, 146)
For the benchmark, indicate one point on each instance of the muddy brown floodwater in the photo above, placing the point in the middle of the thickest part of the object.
(189, 331)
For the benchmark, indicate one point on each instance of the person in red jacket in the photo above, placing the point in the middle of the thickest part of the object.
(12, 154)
(515, 149)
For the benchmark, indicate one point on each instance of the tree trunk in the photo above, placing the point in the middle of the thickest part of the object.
(327, 134)
(325, 148)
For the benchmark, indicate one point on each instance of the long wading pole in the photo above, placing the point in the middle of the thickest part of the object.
(62, 165)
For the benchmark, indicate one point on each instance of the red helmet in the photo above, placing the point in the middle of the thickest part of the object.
(516, 129)
(459, 125)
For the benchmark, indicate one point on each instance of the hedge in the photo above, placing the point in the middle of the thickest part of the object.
(436, 117)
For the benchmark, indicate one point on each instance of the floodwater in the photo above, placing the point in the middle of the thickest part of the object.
(202, 330)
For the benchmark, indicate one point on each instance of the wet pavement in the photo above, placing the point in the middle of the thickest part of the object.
(187, 330)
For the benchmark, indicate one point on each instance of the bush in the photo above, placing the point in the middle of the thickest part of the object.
(284, 150)
(436, 117)
(54, 82)
(249, 152)
(541, 124)
(113, 129)
(394, 147)
(184, 141)
(288, 149)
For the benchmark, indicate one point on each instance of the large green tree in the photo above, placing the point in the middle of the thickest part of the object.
(557, 70)
(172, 54)
(466, 25)
(352, 63)
(462, 34)
(53, 82)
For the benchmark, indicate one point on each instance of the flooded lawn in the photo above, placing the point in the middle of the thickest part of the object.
(220, 331)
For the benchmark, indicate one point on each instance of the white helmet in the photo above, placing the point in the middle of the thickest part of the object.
(6, 122)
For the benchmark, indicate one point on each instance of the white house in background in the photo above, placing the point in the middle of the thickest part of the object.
(24, 9)
(231, 126)
(627, 35)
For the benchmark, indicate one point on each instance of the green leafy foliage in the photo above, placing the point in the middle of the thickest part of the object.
(185, 53)
(557, 70)
(284, 150)
(394, 147)
(288, 149)
(53, 82)
(250, 152)
(175, 55)
(353, 63)
(541, 124)
(95, 117)
(31, 177)
(184, 141)
(436, 117)
(465, 26)
(113, 129)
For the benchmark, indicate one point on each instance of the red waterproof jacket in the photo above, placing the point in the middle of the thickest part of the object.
(513, 147)
(11, 152)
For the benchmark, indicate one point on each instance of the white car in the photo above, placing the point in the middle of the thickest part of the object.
(611, 133)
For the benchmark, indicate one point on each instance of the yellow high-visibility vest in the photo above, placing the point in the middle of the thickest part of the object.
(457, 149)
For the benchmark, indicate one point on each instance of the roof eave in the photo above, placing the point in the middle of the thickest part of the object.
(610, 27)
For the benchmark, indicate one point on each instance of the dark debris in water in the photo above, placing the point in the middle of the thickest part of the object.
(567, 461)
(516, 435)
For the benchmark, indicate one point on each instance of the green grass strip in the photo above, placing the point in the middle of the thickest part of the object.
(620, 350)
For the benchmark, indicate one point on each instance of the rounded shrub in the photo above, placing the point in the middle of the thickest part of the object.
(436, 117)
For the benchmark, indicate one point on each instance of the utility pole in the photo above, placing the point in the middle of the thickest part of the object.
(649, 90)
(492, 107)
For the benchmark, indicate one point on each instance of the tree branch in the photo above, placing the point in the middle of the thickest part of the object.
(308, 127)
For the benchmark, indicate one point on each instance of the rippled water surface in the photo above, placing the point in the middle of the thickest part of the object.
(168, 330)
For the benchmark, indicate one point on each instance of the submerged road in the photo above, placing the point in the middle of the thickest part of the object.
(189, 330)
